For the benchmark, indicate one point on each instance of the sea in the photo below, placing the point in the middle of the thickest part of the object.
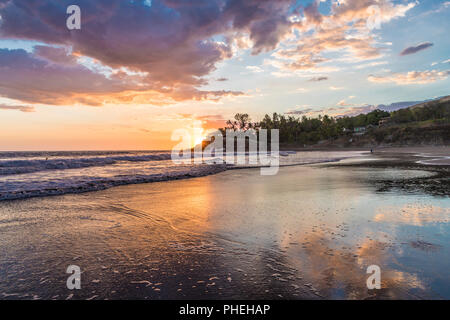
(47, 173)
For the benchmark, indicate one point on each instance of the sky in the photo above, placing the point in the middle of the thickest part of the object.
(138, 70)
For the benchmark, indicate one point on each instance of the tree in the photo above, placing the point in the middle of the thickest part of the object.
(242, 121)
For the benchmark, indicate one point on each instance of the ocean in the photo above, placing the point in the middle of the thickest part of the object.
(32, 174)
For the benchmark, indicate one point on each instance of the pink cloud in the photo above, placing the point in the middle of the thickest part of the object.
(171, 42)
(25, 109)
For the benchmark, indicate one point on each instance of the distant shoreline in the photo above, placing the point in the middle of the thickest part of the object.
(406, 148)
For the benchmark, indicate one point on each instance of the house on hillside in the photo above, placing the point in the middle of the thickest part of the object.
(359, 131)
(345, 130)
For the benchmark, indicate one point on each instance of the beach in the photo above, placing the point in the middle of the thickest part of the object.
(309, 232)
(224, 158)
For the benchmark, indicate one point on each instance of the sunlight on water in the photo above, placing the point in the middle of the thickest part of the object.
(307, 232)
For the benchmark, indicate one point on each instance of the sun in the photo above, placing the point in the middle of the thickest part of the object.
(199, 140)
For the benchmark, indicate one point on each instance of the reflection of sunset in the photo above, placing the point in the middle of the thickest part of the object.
(185, 209)
(413, 214)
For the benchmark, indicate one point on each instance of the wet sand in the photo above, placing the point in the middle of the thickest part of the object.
(309, 232)
(435, 160)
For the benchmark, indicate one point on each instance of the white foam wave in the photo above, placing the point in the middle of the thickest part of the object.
(78, 184)
(21, 166)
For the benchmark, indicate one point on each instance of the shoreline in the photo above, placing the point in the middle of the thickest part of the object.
(400, 149)
(400, 158)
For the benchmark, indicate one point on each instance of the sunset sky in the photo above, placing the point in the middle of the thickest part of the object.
(137, 70)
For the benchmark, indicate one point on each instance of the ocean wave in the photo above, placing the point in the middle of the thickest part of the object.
(31, 176)
(8, 167)
(80, 184)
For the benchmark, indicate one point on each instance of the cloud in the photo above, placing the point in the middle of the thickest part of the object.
(33, 79)
(18, 108)
(299, 111)
(254, 69)
(444, 6)
(151, 43)
(318, 79)
(170, 46)
(58, 55)
(312, 13)
(417, 48)
(25, 77)
(371, 64)
(163, 52)
(208, 122)
(212, 121)
(343, 103)
(412, 77)
(345, 30)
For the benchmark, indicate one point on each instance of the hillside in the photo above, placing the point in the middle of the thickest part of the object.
(419, 133)
(426, 123)
(423, 124)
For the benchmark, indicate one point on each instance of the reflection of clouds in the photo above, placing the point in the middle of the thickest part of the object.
(332, 268)
(371, 251)
(411, 279)
(413, 214)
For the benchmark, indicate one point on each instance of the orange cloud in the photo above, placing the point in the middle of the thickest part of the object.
(345, 29)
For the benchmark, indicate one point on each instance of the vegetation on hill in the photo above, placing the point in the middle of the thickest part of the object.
(425, 123)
